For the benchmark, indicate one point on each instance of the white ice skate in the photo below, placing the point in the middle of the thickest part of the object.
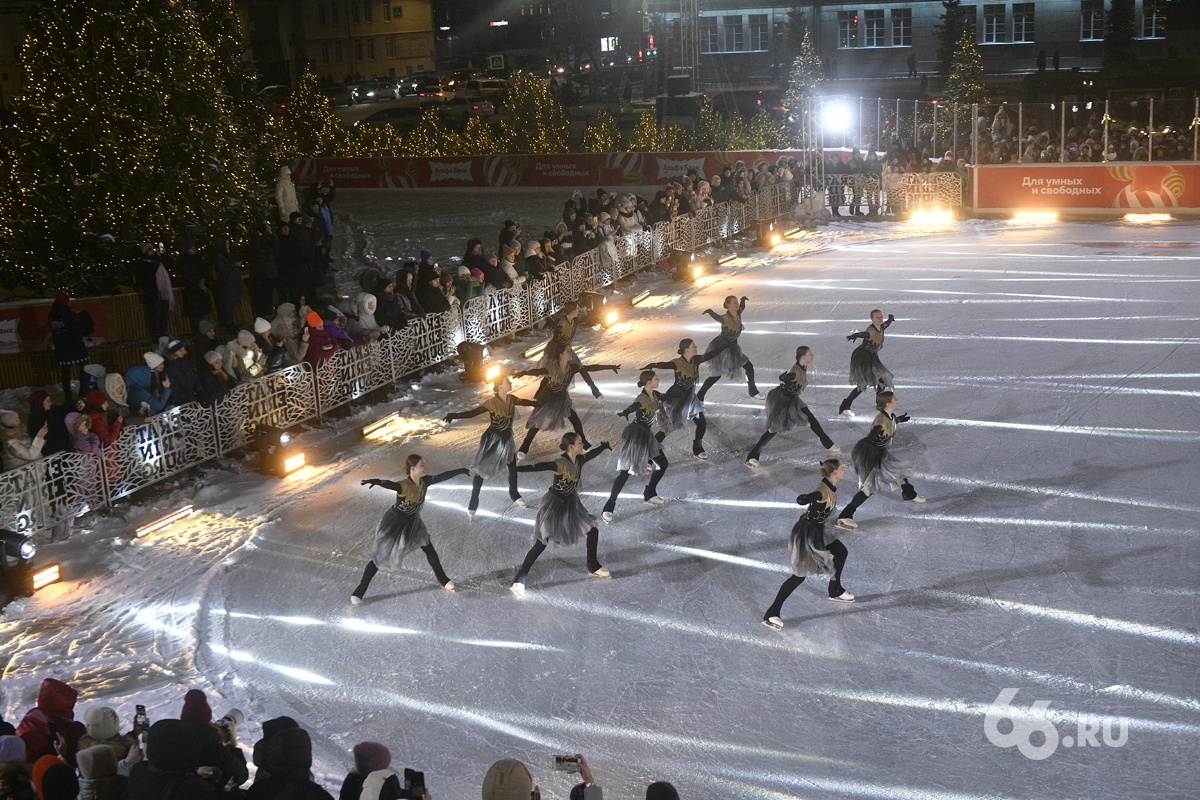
(517, 588)
(656, 501)
(470, 514)
(758, 396)
(701, 456)
(752, 462)
(607, 516)
(601, 573)
(845, 523)
(448, 586)
(916, 499)
(520, 501)
(847, 413)
(520, 456)
(844, 597)
(834, 449)
(355, 600)
(774, 623)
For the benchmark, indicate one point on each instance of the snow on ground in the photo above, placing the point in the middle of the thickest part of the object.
(1050, 373)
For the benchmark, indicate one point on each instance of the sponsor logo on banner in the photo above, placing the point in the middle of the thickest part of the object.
(1148, 186)
(677, 167)
(455, 171)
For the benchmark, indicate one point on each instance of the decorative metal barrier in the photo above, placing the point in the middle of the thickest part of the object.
(50, 491)
(896, 191)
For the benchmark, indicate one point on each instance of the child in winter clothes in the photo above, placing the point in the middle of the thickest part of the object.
(82, 437)
(372, 777)
(18, 449)
(104, 728)
(56, 703)
(98, 778)
(15, 780)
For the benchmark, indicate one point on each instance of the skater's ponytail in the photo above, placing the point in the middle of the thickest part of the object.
(568, 439)
(684, 344)
(882, 399)
(645, 377)
(829, 466)
(411, 462)
(801, 352)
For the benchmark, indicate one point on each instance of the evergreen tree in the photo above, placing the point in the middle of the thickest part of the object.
(309, 128)
(1119, 31)
(432, 137)
(765, 132)
(805, 76)
(480, 139)
(797, 28)
(964, 85)
(536, 123)
(602, 135)
(948, 32)
(134, 127)
(648, 136)
(712, 130)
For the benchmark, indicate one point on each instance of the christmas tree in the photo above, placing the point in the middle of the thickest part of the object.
(537, 123)
(712, 129)
(432, 137)
(479, 138)
(766, 132)
(602, 135)
(308, 128)
(805, 76)
(134, 127)
(1119, 31)
(964, 84)
(948, 32)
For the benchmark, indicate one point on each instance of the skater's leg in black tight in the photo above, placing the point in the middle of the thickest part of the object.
(514, 493)
(708, 384)
(435, 564)
(907, 490)
(593, 539)
(367, 575)
(839, 560)
(855, 392)
(657, 475)
(701, 427)
(529, 434)
(750, 384)
(848, 512)
(587, 378)
(577, 424)
(826, 442)
(618, 485)
(785, 591)
(527, 564)
(756, 451)
(476, 486)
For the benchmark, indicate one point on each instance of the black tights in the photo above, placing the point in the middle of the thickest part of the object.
(710, 381)
(839, 552)
(593, 562)
(576, 423)
(701, 427)
(907, 492)
(812, 423)
(371, 570)
(651, 486)
(477, 485)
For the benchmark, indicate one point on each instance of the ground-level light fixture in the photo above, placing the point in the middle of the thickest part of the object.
(1035, 216)
(276, 455)
(473, 354)
(1142, 219)
(592, 306)
(639, 297)
(536, 351)
(164, 522)
(725, 259)
(17, 545)
(46, 575)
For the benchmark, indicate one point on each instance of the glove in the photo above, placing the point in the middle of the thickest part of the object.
(448, 418)
(709, 311)
(852, 337)
(370, 482)
(596, 393)
(623, 414)
(606, 446)
(903, 418)
(891, 318)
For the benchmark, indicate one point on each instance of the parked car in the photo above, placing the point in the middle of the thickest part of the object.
(484, 89)
(339, 95)
(463, 108)
(401, 117)
(275, 98)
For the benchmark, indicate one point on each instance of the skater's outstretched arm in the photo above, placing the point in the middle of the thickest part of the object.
(859, 335)
(595, 451)
(887, 322)
(525, 373)
(805, 499)
(659, 365)
(430, 480)
(699, 359)
(386, 484)
(598, 368)
(901, 418)
(521, 401)
(742, 305)
(714, 315)
(541, 466)
(474, 412)
(632, 407)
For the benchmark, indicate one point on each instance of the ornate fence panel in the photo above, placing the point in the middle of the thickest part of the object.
(350, 374)
(280, 399)
(175, 440)
(497, 314)
(897, 190)
(49, 491)
(424, 342)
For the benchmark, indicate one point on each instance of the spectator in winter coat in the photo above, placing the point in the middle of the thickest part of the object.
(68, 331)
(43, 412)
(286, 321)
(494, 275)
(105, 424)
(286, 759)
(264, 273)
(582, 238)
(214, 379)
(54, 779)
(429, 290)
(509, 233)
(185, 381)
(104, 728)
(387, 311)
(245, 360)
(204, 341)
(410, 307)
(366, 304)
(534, 260)
(450, 290)
(291, 262)
(158, 295)
(321, 345)
(194, 275)
(228, 270)
(507, 779)
(19, 450)
(509, 256)
(169, 771)
(56, 703)
(98, 778)
(118, 398)
(349, 321)
(474, 258)
(149, 386)
(224, 768)
(372, 777)
(82, 437)
(333, 324)
(16, 782)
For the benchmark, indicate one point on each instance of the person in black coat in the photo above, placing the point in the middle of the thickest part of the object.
(284, 761)
(387, 310)
(68, 330)
(474, 257)
(194, 274)
(264, 272)
(429, 292)
(289, 262)
(169, 771)
(228, 271)
(494, 274)
(215, 381)
(185, 381)
(43, 412)
(158, 295)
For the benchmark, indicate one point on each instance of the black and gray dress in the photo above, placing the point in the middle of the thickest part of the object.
(865, 367)
(810, 552)
(497, 450)
(638, 445)
(562, 517)
(562, 332)
(724, 353)
(785, 410)
(553, 399)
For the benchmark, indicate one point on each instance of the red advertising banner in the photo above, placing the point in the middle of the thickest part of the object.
(567, 169)
(25, 326)
(1125, 185)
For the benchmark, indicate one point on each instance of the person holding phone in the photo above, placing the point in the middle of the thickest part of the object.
(50, 728)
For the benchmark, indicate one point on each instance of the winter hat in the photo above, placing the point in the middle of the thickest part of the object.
(12, 748)
(96, 398)
(174, 346)
(153, 360)
(261, 325)
(61, 297)
(245, 338)
(97, 371)
(145, 247)
(426, 255)
(314, 319)
(371, 757)
(37, 399)
(71, 421)
(508, 223)
(101, 721)
(59, 783)
(507, 779)
(97, 762)
(212, 357)
(603, 216)
(173, 745)
(661, 790)
(286, 309)
(195, 708)
(274, 726)
(9, 419)
(206, 327)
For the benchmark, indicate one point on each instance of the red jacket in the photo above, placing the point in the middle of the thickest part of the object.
(56, 702)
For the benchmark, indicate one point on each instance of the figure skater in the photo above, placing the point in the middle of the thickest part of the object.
(561, 517)
(785, 409)
(729, 356)
(640, 449)
(563, 328)
(401, 530)
(875, 463)
(679, 401)
(497, 450)
(811, 553)
(865, 367)
(553, 398)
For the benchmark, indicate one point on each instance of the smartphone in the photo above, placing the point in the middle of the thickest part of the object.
(53, 732)
(414, 781)
(566, 764)
(140, 720)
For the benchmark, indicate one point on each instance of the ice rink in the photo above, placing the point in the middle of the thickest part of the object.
(1050, 371)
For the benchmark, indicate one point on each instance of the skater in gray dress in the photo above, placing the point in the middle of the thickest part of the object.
(641, 449)
(680, 402)
(553, 398)
(785, 409)
(865, 367)
(810, 551)
(401, 530)
(563, 328)
(730, 361)
(877, 466)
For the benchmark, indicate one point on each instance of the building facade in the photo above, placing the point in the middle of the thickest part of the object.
(356, 39)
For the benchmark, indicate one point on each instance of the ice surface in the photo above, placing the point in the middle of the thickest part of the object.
(1050, 371)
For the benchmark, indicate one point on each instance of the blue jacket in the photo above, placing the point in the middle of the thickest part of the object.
(138, 382)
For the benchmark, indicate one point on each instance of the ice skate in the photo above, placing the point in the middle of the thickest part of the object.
(701, 456)
(517, 588)
(846, 524)
(448, 586)
(355, 600)
(916, 498)
(844, 597)
(520, 501)
(607, 516)
(752, 462)
(758, 396)
(834, 449)
(655, 501)
(774, 623)
(845, 412)
(601, 573)
(470, 514)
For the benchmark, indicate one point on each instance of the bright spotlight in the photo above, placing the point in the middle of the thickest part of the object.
(776, 239)
(1142, 219)
(1035, 216)
(162, 523)
(836, 116)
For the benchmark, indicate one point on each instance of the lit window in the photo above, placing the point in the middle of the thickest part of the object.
(847, 29)
(1022, 22)
(901, 27)
(1091, 19)
(1154, 20)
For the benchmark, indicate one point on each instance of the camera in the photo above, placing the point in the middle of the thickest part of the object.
(229, 723)
(414, 785)
(566, 764)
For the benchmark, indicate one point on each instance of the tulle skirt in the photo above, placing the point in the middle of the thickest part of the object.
(867, 370)
(561, 520)
(496, 451)
(549, 416)
(808, 549)
(681, 406)
(397, 536)
(638, 446)
(878, 467)
(785, 411)
(728, 362)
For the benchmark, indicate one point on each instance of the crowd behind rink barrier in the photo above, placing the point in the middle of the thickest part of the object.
(50, 491)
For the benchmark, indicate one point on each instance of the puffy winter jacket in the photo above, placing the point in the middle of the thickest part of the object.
(138, 382)
(56, 702)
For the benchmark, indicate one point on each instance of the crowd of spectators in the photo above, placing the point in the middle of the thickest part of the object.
(50, 755)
